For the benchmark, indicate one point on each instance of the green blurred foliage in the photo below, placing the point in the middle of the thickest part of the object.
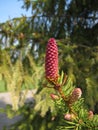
(74, 24)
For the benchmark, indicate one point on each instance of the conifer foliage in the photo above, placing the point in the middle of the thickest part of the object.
(59, 101)
(58, 105)
(76, 117)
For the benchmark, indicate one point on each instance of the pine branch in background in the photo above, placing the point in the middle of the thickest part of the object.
(16, 75)
(44, 102)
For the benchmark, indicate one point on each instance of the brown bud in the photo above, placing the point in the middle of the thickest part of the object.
(21, 36)
(90, 114)
(54, 96)
(76, 94)
(69, 116)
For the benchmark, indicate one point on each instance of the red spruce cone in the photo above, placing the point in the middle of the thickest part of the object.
(51, 60)
(76, 94)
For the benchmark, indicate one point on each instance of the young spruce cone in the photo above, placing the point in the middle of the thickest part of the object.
(76, 94)
(51, 60)
(54, 96)
(90, 114)
(69, 117)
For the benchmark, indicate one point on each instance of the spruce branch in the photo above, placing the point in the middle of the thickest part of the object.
(76, 117)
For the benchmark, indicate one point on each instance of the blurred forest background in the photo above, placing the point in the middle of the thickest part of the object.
(74, 24)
